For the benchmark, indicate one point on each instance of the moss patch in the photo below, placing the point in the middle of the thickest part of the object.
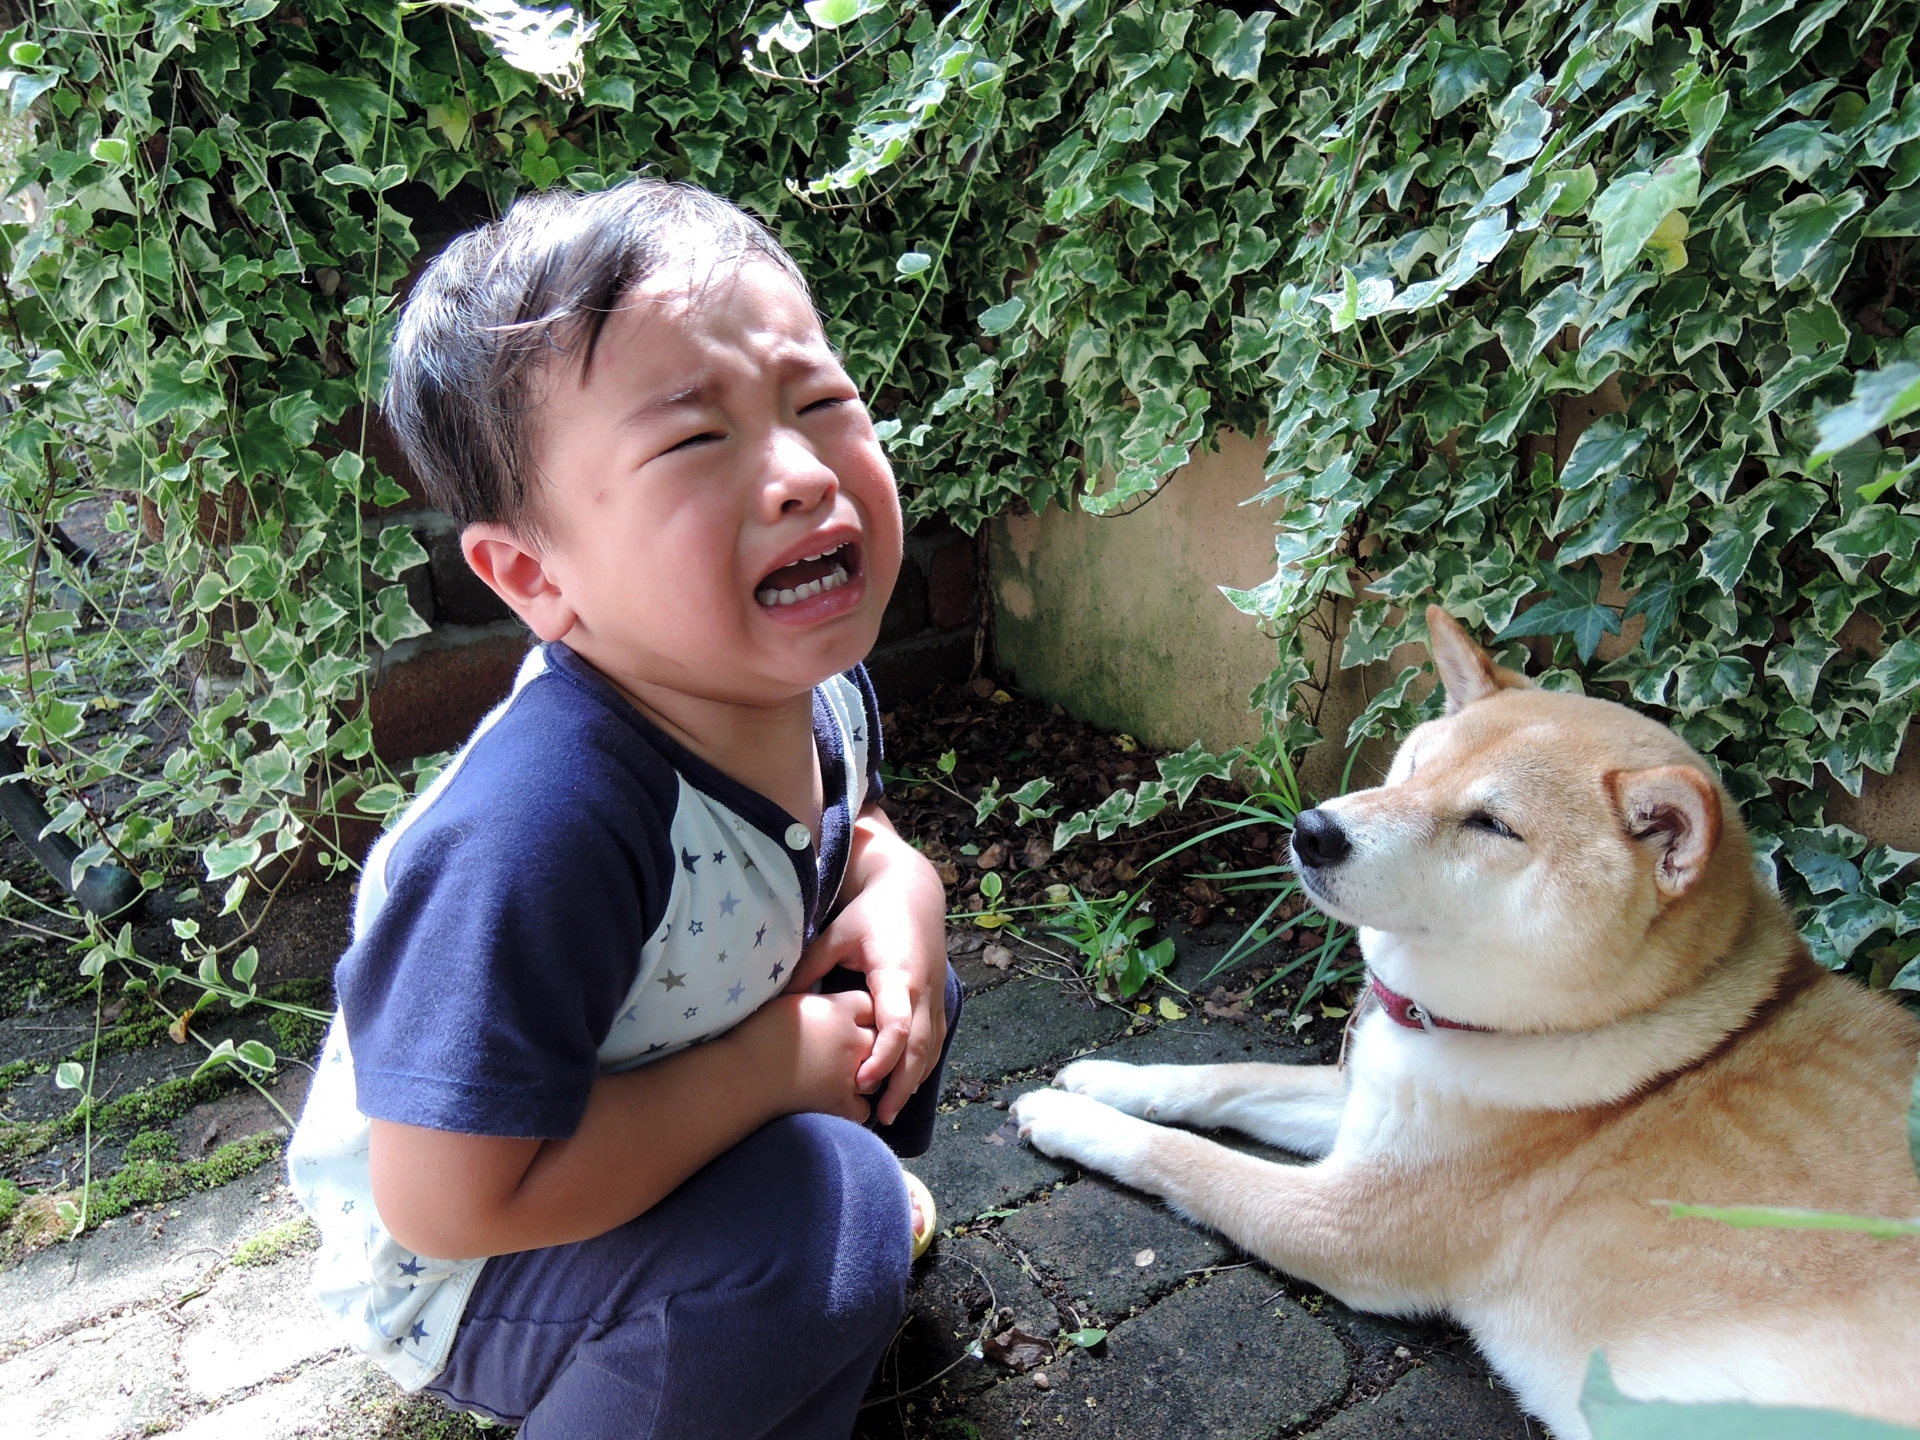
(13, 1072)
(151, 1180)
(9, 1201)
(298, 1035)
(277, 1243)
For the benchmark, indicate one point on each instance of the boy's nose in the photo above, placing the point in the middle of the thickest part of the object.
(798, 479)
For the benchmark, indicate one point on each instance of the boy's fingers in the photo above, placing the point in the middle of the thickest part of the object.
(816, 960)
(892, 1014)
(889, 1042)
(908, 1074)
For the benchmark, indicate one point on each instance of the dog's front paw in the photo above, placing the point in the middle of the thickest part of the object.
(1074, 1127)
(1127, 1088)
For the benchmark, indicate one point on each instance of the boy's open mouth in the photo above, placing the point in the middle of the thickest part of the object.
(809, 576)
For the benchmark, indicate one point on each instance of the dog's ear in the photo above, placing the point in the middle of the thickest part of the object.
(1675, 809)
(1465, 669)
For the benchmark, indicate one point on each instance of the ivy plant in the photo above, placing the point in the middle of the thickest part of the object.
(1060, 243)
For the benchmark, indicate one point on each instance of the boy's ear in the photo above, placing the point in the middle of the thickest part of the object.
(511, 568)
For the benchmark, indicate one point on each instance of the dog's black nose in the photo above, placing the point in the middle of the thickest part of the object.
(1318, 839)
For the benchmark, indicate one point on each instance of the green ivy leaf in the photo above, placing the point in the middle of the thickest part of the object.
(998, 319)
(1606, 447)
(176, 388)
(1824, 858)
(1573, 608)
(394, 618)
(1798, 666)
(1897, 672)
(1632, 206)
(1799, 148)
(832, 14)
(1880, 398)
(1803, 225)
(1464, 71)
(353, 106)
(1871, 531)
(1850, 920)
(1898, 214)
(396, 553)
(1234, 46)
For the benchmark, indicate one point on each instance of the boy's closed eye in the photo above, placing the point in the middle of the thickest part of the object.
(706, 437)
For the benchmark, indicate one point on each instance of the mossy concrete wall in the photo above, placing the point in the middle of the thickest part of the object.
(1120, 621)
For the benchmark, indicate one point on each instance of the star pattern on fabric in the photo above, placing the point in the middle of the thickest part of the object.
(857, 736)
(733, 995)
(347, 1209)
(689, 860)
(629, 1015)
(412, 1267)
(657, 1045)
(729, 905)
(746, 863)
(418, 1332)
(691, 1011)
(672, 981)
(759, 936)
(777, 971)
(721, 958)
(694, 927)
(719, 857)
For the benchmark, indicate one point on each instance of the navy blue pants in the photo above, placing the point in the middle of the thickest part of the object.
(754, 1301)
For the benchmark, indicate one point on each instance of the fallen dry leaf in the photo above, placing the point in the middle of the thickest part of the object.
(948, 872)
(1144, 1259)
(1037, 853)
(998, 956)
(1017, 1350)
(177, 1031)
(993, 857)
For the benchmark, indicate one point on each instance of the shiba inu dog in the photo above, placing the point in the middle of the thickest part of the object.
(1583, 1000)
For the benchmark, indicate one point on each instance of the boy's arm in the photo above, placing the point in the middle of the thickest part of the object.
(893, 930)
(646, 1130)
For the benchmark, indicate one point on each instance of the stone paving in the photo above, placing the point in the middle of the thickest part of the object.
(198, 1323)
(1202, 1341)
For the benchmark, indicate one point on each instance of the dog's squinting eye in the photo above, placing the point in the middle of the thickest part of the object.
(1480, 820)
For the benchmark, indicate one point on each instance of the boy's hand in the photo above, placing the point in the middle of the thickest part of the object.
(808, 1050)
(893, 931)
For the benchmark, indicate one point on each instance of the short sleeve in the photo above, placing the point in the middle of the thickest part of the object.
(875, 743)
(477, 996)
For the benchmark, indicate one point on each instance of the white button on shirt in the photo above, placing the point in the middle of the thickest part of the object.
(798, 836)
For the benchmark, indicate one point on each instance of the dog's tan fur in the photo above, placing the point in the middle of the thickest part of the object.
(1659, 1033)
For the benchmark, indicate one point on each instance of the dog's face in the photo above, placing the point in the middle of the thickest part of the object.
(1535, 860)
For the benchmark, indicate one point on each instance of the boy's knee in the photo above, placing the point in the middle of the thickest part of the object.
(851, 1235)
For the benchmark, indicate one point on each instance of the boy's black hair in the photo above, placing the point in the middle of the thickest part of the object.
(499, 304)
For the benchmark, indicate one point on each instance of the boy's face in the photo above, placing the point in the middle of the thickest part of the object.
(718, 515)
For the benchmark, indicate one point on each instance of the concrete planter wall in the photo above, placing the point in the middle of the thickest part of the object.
(1120, 622)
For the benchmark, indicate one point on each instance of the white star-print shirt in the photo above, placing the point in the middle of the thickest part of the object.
(577, 894)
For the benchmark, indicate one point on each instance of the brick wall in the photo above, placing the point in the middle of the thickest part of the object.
(927, 635)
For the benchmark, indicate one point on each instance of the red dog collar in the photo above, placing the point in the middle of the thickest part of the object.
(1411, 1015)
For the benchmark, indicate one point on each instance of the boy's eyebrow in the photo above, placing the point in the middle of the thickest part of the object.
(687, 397)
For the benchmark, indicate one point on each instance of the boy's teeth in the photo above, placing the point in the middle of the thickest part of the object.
(792, 596)
(832, 581)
